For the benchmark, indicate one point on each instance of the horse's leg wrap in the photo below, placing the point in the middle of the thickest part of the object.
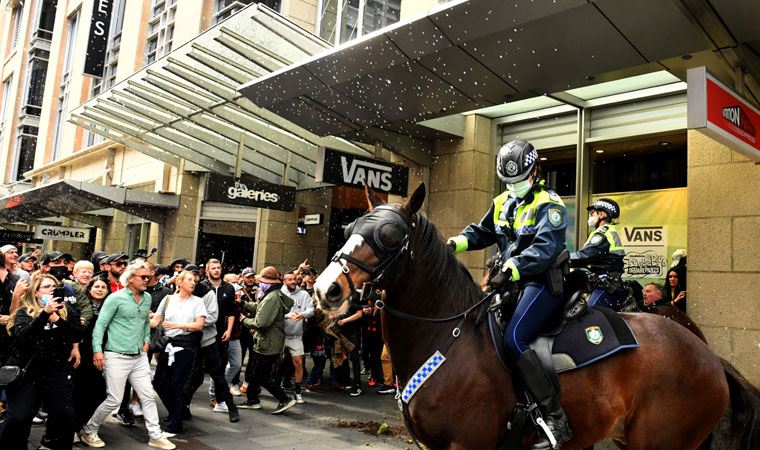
(542, 387)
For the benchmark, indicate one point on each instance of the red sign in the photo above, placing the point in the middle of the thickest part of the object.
(728, 112)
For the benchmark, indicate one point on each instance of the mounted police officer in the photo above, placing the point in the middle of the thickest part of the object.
(527, 222)
(603, 254)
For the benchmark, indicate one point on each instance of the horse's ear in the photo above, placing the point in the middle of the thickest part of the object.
(372, 199)
(415, 201)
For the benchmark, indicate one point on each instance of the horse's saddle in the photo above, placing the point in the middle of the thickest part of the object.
(577, 336)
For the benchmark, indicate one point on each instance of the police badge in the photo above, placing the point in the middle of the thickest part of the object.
(511, 168)
(555, 217)
(594, 335)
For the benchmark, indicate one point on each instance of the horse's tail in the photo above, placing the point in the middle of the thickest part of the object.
(745, 410)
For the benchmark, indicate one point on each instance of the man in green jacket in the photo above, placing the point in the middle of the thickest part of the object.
(268, 324)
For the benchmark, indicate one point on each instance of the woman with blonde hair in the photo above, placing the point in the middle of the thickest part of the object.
(44, 335)
(182, 316)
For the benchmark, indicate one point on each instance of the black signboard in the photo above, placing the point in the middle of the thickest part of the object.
(100, 25)
(351, 170)
(18, 236)
(248, 191)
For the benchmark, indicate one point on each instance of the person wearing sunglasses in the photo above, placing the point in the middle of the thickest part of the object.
(116, 265)
(44, 332)
(124, 316)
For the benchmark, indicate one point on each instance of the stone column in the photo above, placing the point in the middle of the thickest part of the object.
(181, 227)
(277, 241)
(115, 234)
(462, 185)
(723, 264)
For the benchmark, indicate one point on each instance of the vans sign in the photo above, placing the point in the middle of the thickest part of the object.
(646, 251)
(248, 191)
(356, 171)
(52, 233)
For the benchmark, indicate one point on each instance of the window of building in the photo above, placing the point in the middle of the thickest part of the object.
(4, 105)
(558, 167)
(25, 147)
(343, 20)
(639, 165)
(35, 82)
(15, 26)
(226, 8)
(160, 29)
(111, 61)
(45, 19)
(63, 89)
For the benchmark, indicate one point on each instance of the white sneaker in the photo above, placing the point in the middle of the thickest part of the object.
(168, 435)
(235, 391)
(299, 398)
(221, 408)
(135, 409)
(161, 442)
(91, 439)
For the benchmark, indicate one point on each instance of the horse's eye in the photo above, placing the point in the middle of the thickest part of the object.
(349, 230)
(389, 235)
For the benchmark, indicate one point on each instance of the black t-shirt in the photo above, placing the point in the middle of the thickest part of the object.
(6, 296)
(225, 299)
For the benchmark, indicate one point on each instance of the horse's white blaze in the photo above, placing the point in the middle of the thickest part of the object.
(333, 270)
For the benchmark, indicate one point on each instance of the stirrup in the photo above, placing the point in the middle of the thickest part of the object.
(552, 440)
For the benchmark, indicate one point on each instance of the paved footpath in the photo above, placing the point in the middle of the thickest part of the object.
(328, 420)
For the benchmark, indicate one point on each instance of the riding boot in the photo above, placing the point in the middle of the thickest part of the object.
(543, 386)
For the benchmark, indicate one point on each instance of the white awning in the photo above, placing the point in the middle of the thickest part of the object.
(186, 105)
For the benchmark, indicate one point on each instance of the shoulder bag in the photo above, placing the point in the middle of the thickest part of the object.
(160, 340)
(9, 375)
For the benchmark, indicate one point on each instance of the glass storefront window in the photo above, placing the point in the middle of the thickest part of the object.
(343, 20)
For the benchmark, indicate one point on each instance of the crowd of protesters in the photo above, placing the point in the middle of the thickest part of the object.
(88, 332)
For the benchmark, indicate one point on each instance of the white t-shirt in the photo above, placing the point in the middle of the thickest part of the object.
(181, 311)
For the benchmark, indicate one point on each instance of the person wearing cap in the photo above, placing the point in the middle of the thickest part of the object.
(268, 324)
(603, 255)
(117, 262)
(12, 260)
(527, 222)
(250, 295)
(26, 263)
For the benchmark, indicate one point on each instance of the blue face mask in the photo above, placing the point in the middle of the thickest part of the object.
(519, 189)
(264, 288)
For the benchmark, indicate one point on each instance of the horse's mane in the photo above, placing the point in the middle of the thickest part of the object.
(448, 276)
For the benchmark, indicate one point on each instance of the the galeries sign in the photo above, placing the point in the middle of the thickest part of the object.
(53, 233)
(250, 192)
(351, 170)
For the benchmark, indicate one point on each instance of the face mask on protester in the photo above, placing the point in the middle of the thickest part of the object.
(264, 288)
(60, 272)
(520, 189)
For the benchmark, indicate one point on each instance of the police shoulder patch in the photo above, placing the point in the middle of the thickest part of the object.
(596, 239)
(555, 216)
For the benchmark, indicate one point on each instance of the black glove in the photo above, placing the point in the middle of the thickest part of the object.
(499, 278)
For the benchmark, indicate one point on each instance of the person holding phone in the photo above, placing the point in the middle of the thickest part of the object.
(44, 334)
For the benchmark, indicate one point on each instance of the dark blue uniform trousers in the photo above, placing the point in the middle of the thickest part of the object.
(535, 308)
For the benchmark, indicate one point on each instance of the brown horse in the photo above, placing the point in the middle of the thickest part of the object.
(668, 394)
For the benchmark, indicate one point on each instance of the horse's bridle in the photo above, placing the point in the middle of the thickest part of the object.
(370, 228)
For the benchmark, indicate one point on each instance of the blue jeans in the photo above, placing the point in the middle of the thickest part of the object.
(234, 361)
(535, 308)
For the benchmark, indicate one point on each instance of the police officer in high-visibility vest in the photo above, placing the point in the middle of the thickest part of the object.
(603, 254)
(527, 222)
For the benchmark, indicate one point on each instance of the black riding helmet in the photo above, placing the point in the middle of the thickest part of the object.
(609, 206)
(515, 161)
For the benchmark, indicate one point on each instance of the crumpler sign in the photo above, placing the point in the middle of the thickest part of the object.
(100, 25)
(355, 171)
(250, 192)
(52, 233)
(717, 111)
